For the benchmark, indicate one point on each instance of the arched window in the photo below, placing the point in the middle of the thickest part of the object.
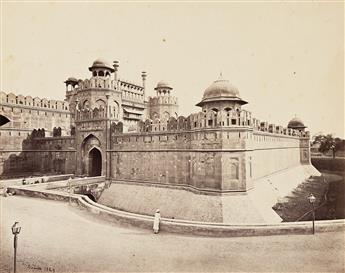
(86, 104)
(101, 73)
(234, 169)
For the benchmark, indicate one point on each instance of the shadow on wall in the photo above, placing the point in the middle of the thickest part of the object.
(29, 162)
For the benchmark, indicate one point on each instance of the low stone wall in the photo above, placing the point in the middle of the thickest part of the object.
(44, 180)
(180, 226)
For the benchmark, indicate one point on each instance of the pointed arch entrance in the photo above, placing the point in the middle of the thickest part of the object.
(95, 162)
(92, 158)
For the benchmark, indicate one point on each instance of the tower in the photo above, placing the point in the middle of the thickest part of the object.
(163, 105)
(97, 104)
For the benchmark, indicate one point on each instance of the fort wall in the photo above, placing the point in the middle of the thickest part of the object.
(205, 155)
(51, 155)
(26, 114)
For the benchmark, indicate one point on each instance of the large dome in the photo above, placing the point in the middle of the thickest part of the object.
(296, 123)
(100, 63)
(221, 90)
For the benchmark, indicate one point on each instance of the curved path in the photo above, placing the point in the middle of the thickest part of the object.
(56, 237)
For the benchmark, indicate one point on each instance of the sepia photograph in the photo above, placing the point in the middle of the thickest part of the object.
(172, 136)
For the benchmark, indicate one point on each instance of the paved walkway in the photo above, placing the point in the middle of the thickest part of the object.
(58, 238)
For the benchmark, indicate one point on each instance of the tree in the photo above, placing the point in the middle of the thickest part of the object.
(329, 143)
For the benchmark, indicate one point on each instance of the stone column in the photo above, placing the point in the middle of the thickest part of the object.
(115, 65)
(143, 76)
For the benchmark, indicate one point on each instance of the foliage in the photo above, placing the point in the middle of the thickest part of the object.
(329, 143)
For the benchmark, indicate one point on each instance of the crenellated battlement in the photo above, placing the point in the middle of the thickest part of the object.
(94, 83)
(212, 119)
(28, 101)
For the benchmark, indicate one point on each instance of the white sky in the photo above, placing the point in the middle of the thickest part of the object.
(285, 58)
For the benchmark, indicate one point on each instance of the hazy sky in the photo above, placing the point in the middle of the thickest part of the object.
(286, 59)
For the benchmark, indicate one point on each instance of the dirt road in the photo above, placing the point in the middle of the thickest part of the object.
(58, 238)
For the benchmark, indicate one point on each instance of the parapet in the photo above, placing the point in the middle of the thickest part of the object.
(28, 101)
(105, 83)
(212, 119)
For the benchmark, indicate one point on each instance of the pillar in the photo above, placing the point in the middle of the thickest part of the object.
(115, 65)
(143, 76)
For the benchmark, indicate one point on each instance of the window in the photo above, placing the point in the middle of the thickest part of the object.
(234, 169)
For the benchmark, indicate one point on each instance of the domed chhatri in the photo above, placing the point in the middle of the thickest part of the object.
(221, 90)
(163, 84)
(71, 80)
(100, 63)
(296, 123)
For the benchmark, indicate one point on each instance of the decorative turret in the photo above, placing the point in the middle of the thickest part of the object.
(163, 106)
(71, 82)
(296, 124)
(101, 68)
(163, 89)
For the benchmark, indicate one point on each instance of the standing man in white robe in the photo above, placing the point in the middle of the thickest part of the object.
(156, 221)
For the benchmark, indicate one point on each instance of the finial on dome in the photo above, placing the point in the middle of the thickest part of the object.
(220, 75)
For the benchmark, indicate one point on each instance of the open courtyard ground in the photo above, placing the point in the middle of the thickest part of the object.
(56, 237)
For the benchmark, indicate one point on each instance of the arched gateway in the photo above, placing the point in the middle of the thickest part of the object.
(91, 156)
(95, 162)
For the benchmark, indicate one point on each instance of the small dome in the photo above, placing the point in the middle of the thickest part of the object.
(296, 123)
(72, 79)
(163, 84)
(221, 88)
(100, 63)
